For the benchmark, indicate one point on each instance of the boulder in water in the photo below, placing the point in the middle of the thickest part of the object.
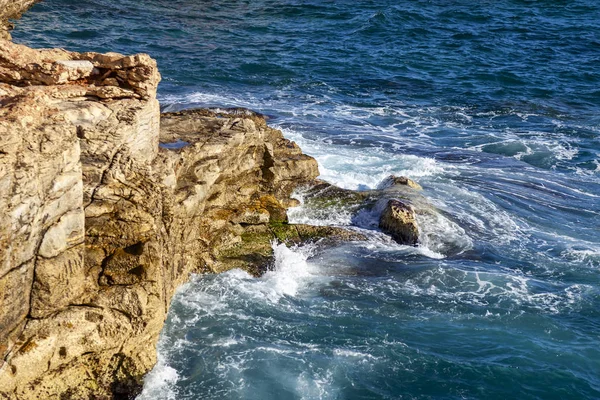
(394, 180)
(398, 220)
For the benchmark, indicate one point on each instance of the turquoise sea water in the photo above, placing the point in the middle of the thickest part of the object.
(492, 106)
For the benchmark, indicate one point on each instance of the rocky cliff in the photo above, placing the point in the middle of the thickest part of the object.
(11, 9)
(105, 213)
(107, 206)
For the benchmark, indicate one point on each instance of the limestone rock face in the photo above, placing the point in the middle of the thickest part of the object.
(106, 208)
(398, 219)
(11, 9)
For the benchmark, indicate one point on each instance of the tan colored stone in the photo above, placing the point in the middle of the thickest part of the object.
(11, 9)
(398, 219)
(403, 180)
(101, 224)
(136, 76)
(66, 232)
(58, 282)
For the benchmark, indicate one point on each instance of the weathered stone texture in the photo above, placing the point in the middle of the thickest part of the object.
(11, 9)
(101, 222)
(398, 219)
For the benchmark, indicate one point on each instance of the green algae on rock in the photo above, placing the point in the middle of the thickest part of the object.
(104, 223)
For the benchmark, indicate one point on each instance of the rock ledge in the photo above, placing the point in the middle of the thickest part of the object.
(107, 208)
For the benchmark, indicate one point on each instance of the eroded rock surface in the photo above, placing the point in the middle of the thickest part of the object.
(399, 181)
(398, 219)
(105, 214)
(397, 202)
(11, 9)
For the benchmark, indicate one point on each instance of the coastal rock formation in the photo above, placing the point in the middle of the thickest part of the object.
(105, 213)
(396, 202)
(395, 181)
(11, 9)
(397, 207)
(398, 219)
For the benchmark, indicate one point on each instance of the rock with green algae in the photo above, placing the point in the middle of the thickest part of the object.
(401, 196)
(254, 253)
(322, 194)
(101, 221)
(331, 234)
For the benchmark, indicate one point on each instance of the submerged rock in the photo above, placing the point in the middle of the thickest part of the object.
(254, 251)
(321, 194)
(398, 219)
(420, 222)
(329, 233)
(394, 180)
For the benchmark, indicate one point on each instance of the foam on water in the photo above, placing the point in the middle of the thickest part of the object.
(220, 298)
(289, 274)
(476, 213)
(500, 292)
(291, 268)
(441, 235)
(203, 99)
(160, 382)
(310, 387)
(332, 215)
(364, 168)
(579, 254)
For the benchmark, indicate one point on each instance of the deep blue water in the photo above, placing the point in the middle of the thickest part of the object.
(492, 106)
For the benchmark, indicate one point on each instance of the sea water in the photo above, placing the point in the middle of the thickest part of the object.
(492, 106)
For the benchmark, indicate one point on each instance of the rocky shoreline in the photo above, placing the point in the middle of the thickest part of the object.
(12, 9)
(105, 217)
(107, 207)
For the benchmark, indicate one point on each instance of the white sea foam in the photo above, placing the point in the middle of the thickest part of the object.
(360, 356)
(532, 144)
(316, 385)
(225, 342)
(351, 167)
(204, 99)
(332, 215)
(289, 274)
(509, 290)
(291, 268)
(441, 235)
(427, 252)
(160, 381)
(586, 256)
(477, 215)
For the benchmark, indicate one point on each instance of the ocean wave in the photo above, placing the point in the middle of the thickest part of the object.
(503, 293)
(360, 169)
(160, 382)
